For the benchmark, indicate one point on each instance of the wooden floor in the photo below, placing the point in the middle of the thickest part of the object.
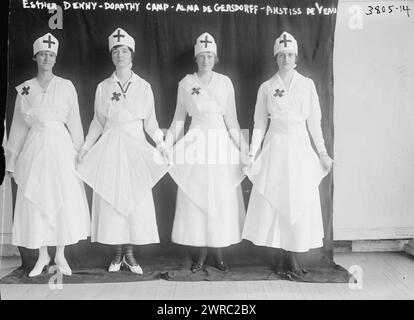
(385, 275)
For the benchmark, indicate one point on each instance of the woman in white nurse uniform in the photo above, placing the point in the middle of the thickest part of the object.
(206, 161)
(284, 208)
(51, 206)
(121, 166)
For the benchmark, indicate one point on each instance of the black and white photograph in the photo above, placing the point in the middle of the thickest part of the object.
(191, 153)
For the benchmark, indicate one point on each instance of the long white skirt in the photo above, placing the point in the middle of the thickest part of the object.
(111, 227)
(264, 226)
(284, 208)
(194, 227)
(121, 168)
(210, 210)
(51, 205)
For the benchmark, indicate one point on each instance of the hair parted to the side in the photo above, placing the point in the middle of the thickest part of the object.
(120, 45)
(275, 60)
(34, 57)
(216, 59)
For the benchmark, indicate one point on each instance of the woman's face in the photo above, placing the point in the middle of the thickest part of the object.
(205, 61)
(121, 56)
(286, 60)
(45, 60)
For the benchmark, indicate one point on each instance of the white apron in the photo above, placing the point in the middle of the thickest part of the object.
(284, 208)
(122, 167)
(207, 169)
(51, 207)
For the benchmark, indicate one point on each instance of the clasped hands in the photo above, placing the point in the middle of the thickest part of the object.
(80, 155)
(248, 158)
(165, 151)
(161, 147)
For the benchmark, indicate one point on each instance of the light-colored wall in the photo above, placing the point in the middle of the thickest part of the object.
(374, 123)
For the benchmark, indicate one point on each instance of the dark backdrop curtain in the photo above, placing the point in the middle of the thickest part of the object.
(164, 55)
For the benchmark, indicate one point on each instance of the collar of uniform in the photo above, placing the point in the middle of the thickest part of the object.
(134, 77)
(34, 83)
(197, 79)
(277, 79)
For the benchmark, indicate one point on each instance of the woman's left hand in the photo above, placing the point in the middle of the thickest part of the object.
(165, 151)
(326, 161)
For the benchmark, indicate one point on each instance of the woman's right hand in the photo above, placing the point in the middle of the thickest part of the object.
(81, 154)
(9, 174)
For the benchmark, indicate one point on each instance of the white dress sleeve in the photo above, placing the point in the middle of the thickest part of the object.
(261, 120)
(177, 125)
(150, 122)
(314, 120)
(230, 117)
(17, 136)
(73, 121)
(98, 122)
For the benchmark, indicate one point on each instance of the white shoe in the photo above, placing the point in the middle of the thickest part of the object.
(134, 269)
(115, 267)
(63, 267)
(38, 268)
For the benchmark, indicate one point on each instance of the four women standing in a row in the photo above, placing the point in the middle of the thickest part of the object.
(121, 167)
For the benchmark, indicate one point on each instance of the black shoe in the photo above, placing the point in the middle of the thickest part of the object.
(197, 266)
(297, 273)
(301, 271)
(222, 266)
